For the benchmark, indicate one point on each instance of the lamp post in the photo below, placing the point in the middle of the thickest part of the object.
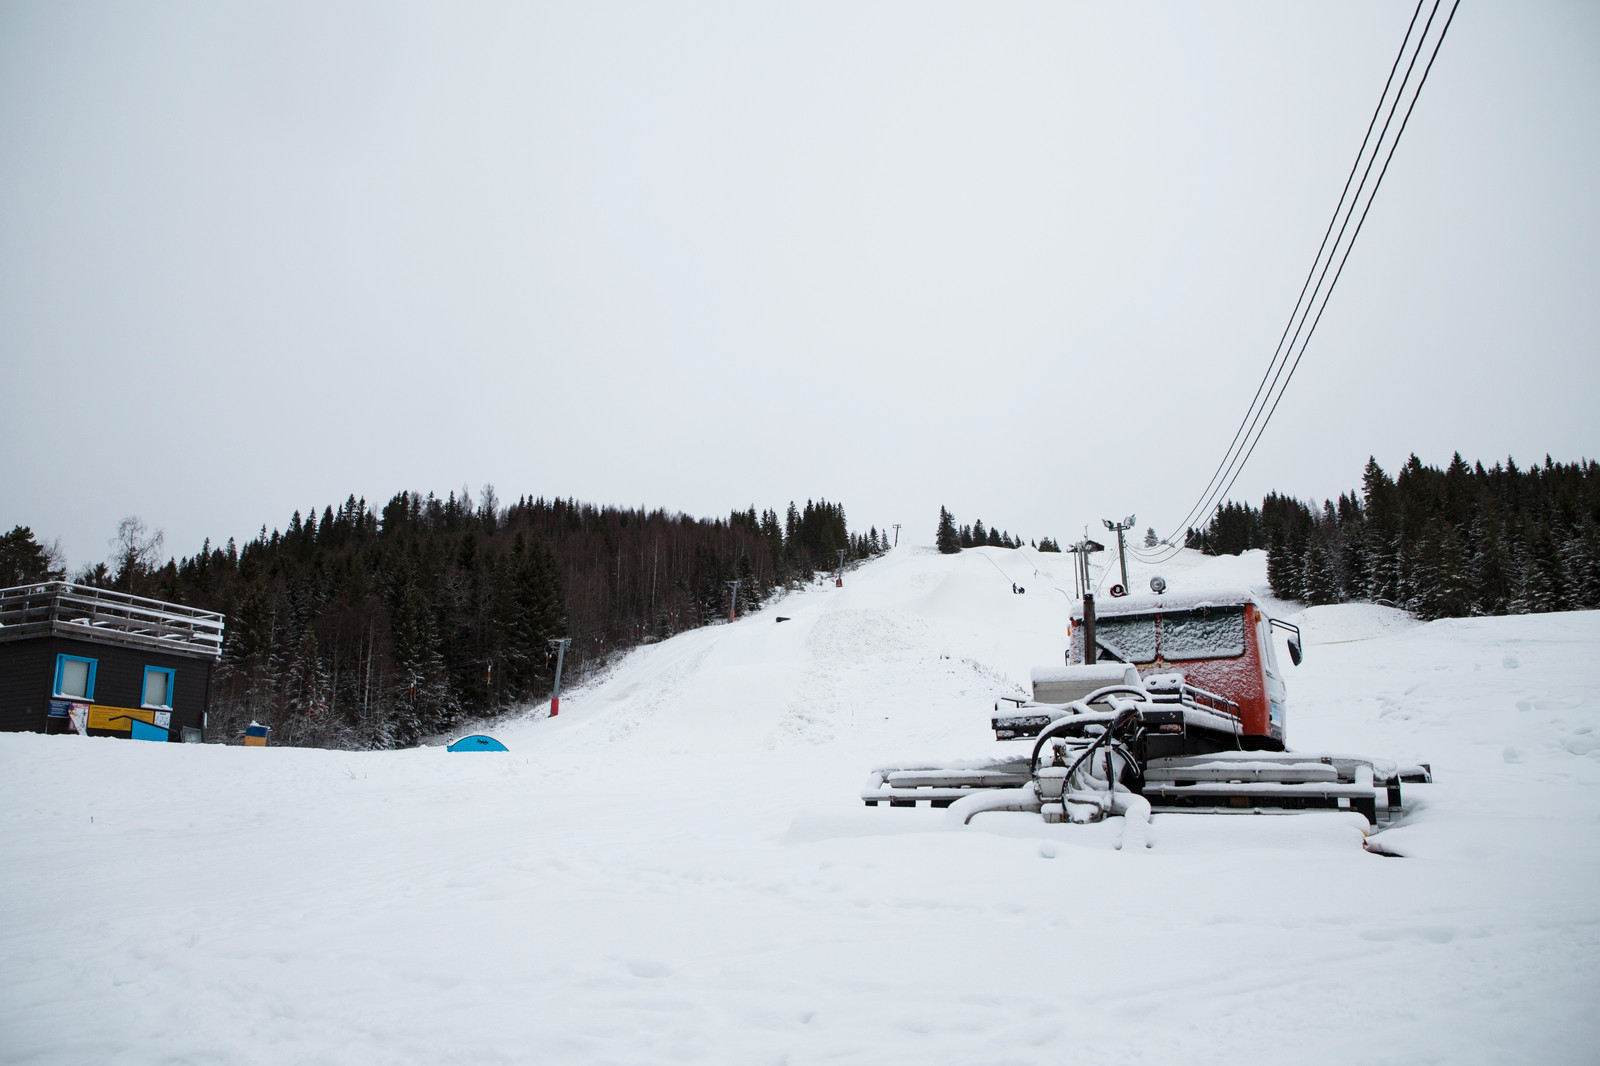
(1119, 528)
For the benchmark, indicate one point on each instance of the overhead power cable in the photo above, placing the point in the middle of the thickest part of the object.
(1280, 370)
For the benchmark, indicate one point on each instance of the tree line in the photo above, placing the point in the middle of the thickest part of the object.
(951, 538)
(1465, 540)
(376, 627)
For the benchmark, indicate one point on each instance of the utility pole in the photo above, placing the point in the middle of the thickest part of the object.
(1080, 573)
(1090, 649)
(1120, 528)
(1083, 549)
(838, 579)
(733, 607)
(560, 645)
(897, 534)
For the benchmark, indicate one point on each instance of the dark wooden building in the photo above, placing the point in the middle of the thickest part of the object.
(76, 658)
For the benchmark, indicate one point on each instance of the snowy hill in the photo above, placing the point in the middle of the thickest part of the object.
(679, 868)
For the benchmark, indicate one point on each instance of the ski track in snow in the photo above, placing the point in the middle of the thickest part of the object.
(678, 867)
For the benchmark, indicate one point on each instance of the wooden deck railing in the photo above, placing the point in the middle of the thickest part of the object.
(65, 609)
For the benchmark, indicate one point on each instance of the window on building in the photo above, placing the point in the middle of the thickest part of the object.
(75, 677)
(158, 687)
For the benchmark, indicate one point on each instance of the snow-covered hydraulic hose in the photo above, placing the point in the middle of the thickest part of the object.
(1134, 808)
(961, 811)
(1135, 811)
(1125, 715)
(1061, 725)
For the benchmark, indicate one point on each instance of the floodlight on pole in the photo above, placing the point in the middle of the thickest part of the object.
(1119, 528)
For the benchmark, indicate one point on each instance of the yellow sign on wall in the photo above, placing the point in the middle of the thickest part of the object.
(117, 719)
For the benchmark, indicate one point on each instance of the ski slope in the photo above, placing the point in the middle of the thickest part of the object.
(679, 868)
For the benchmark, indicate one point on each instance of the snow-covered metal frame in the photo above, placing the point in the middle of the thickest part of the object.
(65, 609)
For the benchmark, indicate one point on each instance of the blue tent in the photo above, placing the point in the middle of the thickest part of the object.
(477, 742)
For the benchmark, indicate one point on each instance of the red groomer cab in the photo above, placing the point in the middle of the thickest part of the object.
(1215, 644)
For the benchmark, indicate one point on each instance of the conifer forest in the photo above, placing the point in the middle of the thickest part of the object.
(364, 627)
(1465, 540)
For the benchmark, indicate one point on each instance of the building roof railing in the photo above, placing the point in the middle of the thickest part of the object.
(65, 609)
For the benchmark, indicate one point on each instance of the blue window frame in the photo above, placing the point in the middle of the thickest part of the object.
(158, 682)
(75, 677)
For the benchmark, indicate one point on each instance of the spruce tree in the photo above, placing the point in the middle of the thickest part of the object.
(947, 539)
(1285, 567)
(1319, 583)
(1487, 568)
(1581, 560)
(1357, 573)
(24, 560)
(1382, 553)
(1453, 593)
(1538, 586)
(1438, 575)
(421, 699)
(749, 587)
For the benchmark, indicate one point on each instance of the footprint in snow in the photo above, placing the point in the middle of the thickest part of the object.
(1434, 934)
(1581, 745)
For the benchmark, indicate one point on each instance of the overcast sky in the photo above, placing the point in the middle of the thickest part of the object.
(1026, 261)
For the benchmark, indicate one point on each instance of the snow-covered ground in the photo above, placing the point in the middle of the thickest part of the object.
(678, 868)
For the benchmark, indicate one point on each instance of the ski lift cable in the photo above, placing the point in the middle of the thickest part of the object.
(1259, 420)
(1105, 573)
(1278, 353)
(1259, 423)
(996, 565)
(1280, 358)
(1233, 462)
(1357, 233)
(1361, 222)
